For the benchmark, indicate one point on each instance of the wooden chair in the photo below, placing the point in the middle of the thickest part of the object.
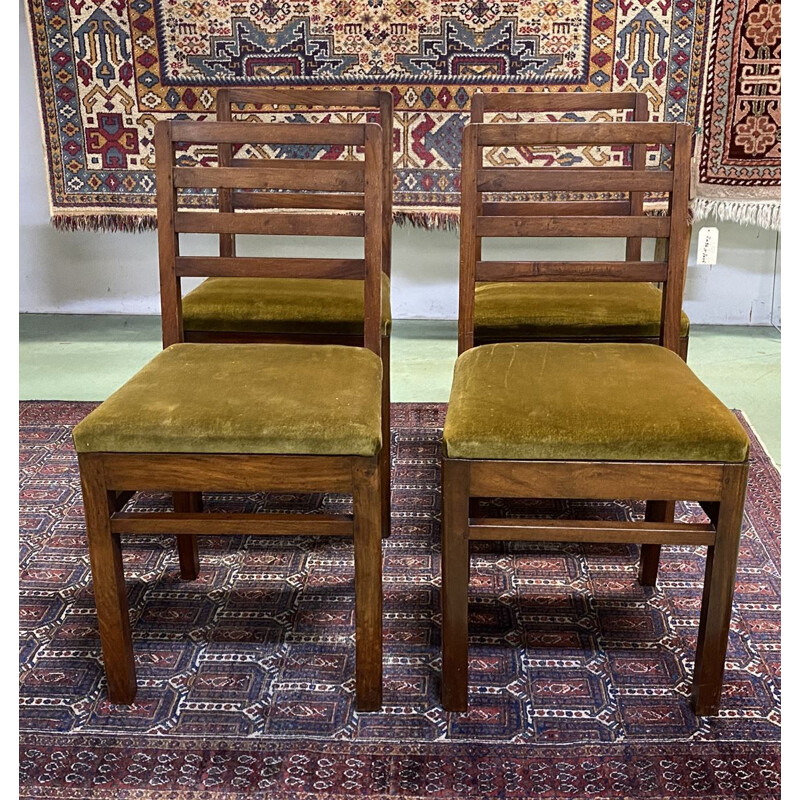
(247, 417)
(290, 308)
(580, 311)
(585, 420)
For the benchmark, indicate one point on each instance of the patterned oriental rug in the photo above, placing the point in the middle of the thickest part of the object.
(579, 676)
(108, 69)
(740, 154)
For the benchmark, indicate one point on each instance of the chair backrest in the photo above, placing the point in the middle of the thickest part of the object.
(231, 101)
(574, 103)
(316, 187)
(570, 219)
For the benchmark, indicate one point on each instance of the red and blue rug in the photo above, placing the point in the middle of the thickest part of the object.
(579, 676)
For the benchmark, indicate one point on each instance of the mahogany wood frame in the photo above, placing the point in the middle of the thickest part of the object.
(561, 103)
(109, 479)
(295, 179)
(719, 487)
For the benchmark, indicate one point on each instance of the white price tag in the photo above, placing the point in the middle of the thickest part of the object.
(707, 246)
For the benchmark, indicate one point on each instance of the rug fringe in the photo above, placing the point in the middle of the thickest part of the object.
(763, 213)
(111, 223)
(429, 220)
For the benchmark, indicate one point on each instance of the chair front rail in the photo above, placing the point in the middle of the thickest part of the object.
(206, 472)
(599, 480)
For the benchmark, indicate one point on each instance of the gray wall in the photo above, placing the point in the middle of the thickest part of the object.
(116, 273)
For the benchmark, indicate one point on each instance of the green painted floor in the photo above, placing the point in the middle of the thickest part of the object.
(70, 357)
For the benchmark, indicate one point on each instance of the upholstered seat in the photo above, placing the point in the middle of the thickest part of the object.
(281, 305)
(568, 310)
(244, 398)
(606, 402)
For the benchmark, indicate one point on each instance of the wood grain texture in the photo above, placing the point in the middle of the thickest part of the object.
(168, 248)
(576, 133)
(603, 227)
(514, 271)
(191, 132)
(556, 102)
(556, 530)
(718, 587)
(267, 224)
(108, 582)
(655, 511)
(597, 480)
(572, 179)
(309, 200)
(188, 553)
(213, 266)
(455, 583)
(231, 524)
(469, 242)
(272, 175)
(202, 472)
(368, 583)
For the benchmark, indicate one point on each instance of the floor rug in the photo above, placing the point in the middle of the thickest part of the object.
(579, 677)
(107, 70)
(740, 158)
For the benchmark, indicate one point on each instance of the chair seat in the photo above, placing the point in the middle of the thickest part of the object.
(244, 398)
(281, 305)
(569, 310)
(567, 401)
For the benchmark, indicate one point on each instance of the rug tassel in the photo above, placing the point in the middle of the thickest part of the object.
(763, 213)
(111, 223)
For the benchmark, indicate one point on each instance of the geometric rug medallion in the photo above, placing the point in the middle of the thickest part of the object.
(579, 677)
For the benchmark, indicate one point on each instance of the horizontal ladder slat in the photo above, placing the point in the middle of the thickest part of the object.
(649, 227)
(148, 524)
(274, 177)
(359, 98)
(557, 102)
(266, 133)
(270, 224)
(339, 202)
(569, 208)
(298, 164)
(528, 271)
(557, 530)
(252, 267)
(598, 179)
(530, 134)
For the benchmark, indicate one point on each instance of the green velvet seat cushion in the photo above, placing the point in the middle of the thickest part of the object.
(570, 401)
(281, 305)
(564, 310)
(244, 398)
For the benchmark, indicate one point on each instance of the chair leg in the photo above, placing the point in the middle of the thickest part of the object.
(655, 511)
(367, 516)
(188, 556)
(108, 582)
(718, 587)
(386, 451)
(455, 583)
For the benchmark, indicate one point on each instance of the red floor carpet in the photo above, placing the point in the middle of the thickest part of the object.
(579, 677)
